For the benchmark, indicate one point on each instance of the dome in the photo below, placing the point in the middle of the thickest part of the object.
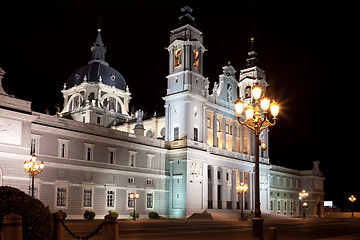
(96, 72)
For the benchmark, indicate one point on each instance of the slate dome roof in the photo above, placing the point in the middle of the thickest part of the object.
(97, 70)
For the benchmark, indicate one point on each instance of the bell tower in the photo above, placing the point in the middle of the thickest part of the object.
(184, 112)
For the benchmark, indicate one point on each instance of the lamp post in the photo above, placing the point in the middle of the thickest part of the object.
(257, 122)
(134, 196)
(241, 188)
(303, 194)
(352, 199)
(33, 167)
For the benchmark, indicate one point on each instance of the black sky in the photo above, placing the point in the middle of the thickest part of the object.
(309, 50)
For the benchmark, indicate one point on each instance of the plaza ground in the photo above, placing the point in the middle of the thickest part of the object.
(221, 228)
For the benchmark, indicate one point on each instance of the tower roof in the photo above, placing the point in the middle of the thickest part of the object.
(97, 70)
(186, 18)
(252, 60)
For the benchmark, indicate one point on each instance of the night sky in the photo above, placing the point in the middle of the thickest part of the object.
(309, 50)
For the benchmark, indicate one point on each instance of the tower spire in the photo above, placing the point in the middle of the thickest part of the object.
(98, 49)
(252, 60)
(186, 18)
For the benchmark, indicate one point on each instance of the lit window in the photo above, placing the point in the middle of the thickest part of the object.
(178, 58)
(131, 202)
(61, 197)
(149, 200)
(110, 198)
(87, 198)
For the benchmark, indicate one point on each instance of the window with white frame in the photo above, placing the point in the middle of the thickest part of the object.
(149, 200)
(131, 180)
(87, 197)
(61, 196)
(89, 152)
(150, 161)
(131, 202)
(111, 155)
(132, 159)
(149, 181)
(34, 144)
(110, 198)
(63, 148)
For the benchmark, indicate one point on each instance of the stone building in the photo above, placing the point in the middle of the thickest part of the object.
(187, 161)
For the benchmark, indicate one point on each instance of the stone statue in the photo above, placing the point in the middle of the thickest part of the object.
(139, 116)
(2, 72)
(215, 88)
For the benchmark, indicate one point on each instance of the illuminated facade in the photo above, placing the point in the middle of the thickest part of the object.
(187, 161)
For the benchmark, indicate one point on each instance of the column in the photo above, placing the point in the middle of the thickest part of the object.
(214, 185)
(215, 130)
(167, 122)
(251, 191)
(224, 133)
(205, 185)
(234, 196)
(234, 136)
(223, 188)
(241, 138)
(205, 128)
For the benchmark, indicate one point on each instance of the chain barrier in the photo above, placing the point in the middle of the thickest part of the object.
(97, 229)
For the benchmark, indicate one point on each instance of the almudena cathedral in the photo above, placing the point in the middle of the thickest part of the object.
(185, 162)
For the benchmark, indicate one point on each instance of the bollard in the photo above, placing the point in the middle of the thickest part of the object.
(58, 228)
(272, 233)
(12, 227)
(110, 230)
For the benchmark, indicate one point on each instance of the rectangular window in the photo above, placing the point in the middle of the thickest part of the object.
(63, 146)
(110, 198)
(209, 123)
(35, 191)
(271, 205)
(150, 161)
(149, 200)
(89, 152)
(196, 134)
(98, 120)
(131, 180)
(149, 181)
(87, 198)
(111, 157)
(130, 201)
(176, 133)
(61, 197)
(132, 158)
(33, 146)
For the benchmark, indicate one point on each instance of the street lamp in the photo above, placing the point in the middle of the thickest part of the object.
(352, 199)
(257, 122)
(33, 167)
(134, 196)
(303, 194)
(241, 188)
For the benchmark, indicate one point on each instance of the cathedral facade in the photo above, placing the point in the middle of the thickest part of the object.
(185, 162)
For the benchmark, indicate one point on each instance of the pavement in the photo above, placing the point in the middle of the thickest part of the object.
(227, 228)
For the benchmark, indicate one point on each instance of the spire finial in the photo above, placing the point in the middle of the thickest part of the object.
(186, 18)
(252, 60)
(98, 47)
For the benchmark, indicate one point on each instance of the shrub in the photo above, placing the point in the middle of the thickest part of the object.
(136, 214)
(63, 213)
(153, 215)
(114, 213)
(37, 220)
(89, 215)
